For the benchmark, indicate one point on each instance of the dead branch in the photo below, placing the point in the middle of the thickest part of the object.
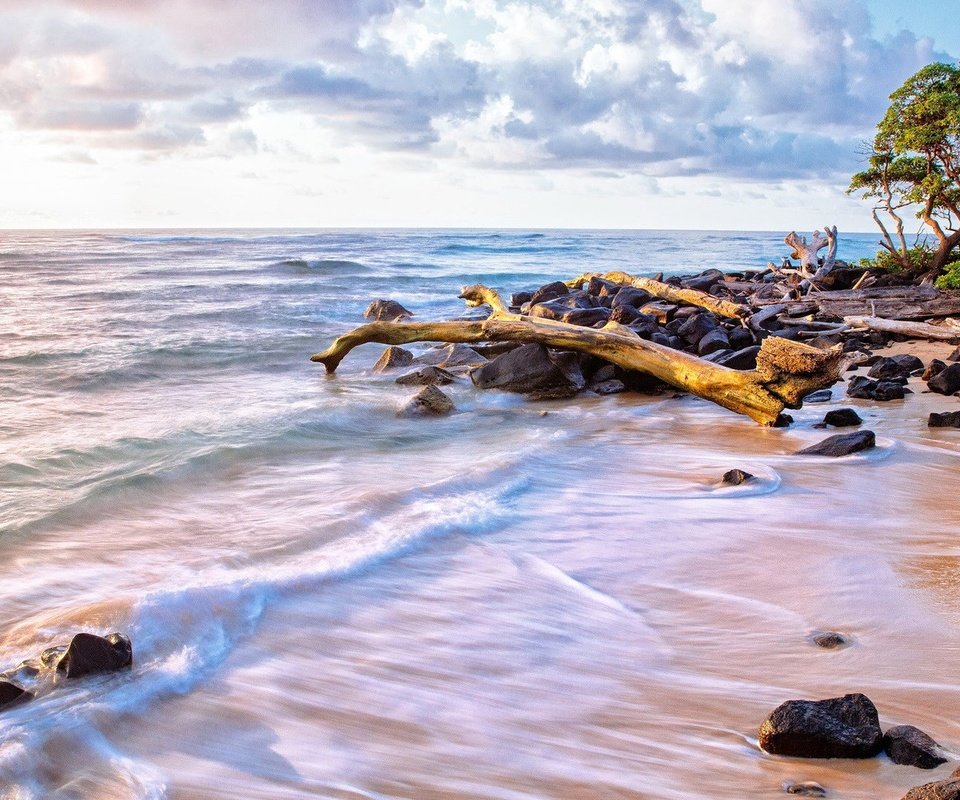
(916, 330)
(786, 371)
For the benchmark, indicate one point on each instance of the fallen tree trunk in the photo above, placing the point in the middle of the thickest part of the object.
(916, 330)
(786, 371)
(889, 302)
(665, 291)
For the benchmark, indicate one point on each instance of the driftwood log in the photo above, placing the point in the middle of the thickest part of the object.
(786, 371)
(889, 302)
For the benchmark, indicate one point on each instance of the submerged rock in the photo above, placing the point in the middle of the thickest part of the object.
(11, 694)
(908, 745)
(841, 727)
(428, 376)
(88, 654)
(393, 357)
(805, 788)
(612, 386)
(386, 311)
(429, 401)
(841, 444)
(819, 396)
(829, 640)
(735, 477)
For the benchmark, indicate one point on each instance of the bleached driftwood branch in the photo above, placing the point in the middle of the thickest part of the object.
(786, 371)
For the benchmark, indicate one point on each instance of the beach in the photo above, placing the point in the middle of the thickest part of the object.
(552, 599)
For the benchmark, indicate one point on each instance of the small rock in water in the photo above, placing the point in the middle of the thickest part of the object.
(841, 727)
(429, 401)
(783, 421)
(829, 640)
(10, 694)
(393, 357)
(819, 396)
(735, 477)
(841, 444)
(946, 419)
(612, 386)
(908, 745)
(88, 654)
(842, 418)
(386, 311)
(428, 376)
(863, 387)
(805, 788)
(895, 367)
(947, 381)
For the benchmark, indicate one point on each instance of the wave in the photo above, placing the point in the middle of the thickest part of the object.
(321, 266)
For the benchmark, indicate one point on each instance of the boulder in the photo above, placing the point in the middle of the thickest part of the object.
(735, 477)
(841, 444)
(741, 337)
(946, 419)
(842, 418)
(393, 357)
(741, 359)
(529, 368)
(895, 367)
(630, 296)
(88, 654)
(625, 315)
(908, 745)
(11, 694)
(713, 341)
(386, 311)
(550, 291)
(947, 381)
(935, 367)
(939, 790)
(863, 387)
(428, 402)
(659, 310)
(517, 299)
(841, 727)
(561, 312)
(696, 327)
(428, 376)
(703, 281)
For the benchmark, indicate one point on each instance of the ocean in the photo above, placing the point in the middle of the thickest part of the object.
(327, 600)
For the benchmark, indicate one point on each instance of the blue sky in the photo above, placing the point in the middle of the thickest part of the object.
(739, 114)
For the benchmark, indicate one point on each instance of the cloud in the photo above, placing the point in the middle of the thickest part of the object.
(651, 87)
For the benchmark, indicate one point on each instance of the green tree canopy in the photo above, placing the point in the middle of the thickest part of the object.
(914, 161)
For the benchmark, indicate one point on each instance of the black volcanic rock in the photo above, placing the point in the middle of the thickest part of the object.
(842, 418)
(947, 381)
(841, 444)
(841, 727)
(908, 745)
(88, 654)
(946, 419)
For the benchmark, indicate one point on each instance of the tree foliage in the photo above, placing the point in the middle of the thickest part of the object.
(914, 161)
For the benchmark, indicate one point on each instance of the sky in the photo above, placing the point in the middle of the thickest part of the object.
(703, 114)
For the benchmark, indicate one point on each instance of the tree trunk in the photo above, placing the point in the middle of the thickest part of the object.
(786, 371)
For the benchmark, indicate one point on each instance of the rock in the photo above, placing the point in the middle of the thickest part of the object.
(696, 327)
(895, 367)
(517, 299)
(11, 694)
(841, 727)
(939, 790)
(841, 444)
(741, 337)
(601, 287)
(428, 376)
(954, 356)
(819, 396)
(908, 745)
(741, 359)
(842, 418)
(783, 420)
(453, 355)
(947, 419)
(630, 296)
(735, 477)
(428, 402)
(393, 357)
(703, 281)
(947, 381)
(605, 372)
(386, 311)
(935, 367)
(527, 369)
(659, 310)
(829, 640)
(864, 388)
(715, 340)
(612, 386)
(556, 310)
(805, 788)
(88, 654)
(625, 315)
(550, 291)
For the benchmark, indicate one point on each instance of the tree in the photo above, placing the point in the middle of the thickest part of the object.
(914, 161)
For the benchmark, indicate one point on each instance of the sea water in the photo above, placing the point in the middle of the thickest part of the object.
(328, 600)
